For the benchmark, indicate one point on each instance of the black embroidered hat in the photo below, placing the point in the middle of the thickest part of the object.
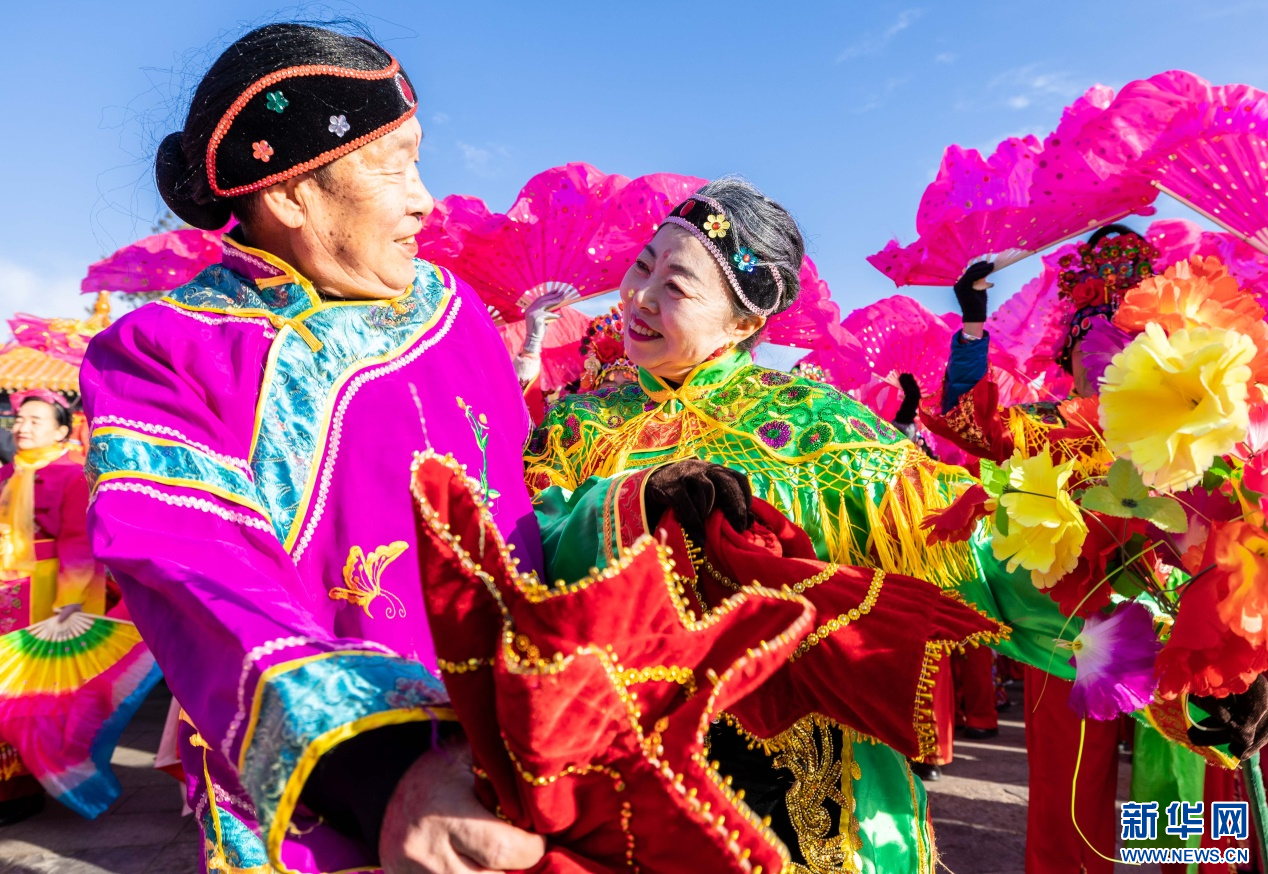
(298, 118)
(758, 284)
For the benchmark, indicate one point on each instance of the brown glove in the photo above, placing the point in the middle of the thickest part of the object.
(693, 489)
(1240, 720)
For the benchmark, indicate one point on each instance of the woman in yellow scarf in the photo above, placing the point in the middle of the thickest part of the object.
(46, 563)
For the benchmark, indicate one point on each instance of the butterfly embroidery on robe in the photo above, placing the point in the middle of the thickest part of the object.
(362, 579)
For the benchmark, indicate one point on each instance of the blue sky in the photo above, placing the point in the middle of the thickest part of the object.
(839, 110)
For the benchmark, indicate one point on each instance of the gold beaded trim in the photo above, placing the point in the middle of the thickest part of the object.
(701, 562)
(661, 674)
(654, 752)
(837, 623)
(472, 664)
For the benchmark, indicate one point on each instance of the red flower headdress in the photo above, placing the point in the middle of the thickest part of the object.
(603, 350)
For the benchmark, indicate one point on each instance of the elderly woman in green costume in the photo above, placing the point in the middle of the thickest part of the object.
(695, 302)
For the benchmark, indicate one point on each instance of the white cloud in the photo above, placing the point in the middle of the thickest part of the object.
(480, 161)
(876, 98)
(27, 290)
(945, 58)
(1030, 85)
(875, 43)
(440, 118)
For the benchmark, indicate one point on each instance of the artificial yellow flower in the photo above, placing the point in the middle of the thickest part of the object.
(1174, 404)
(1045, 528)
(716, 225)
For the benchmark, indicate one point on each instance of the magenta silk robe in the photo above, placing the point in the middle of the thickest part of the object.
(251, 451)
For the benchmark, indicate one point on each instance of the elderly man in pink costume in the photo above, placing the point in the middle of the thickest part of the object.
(252, 436)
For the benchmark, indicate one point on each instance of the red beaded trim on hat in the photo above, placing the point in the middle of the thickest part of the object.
(226, 121)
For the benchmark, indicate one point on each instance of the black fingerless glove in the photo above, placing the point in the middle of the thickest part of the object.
(973, 301)
(906, 414)
(1240, 720)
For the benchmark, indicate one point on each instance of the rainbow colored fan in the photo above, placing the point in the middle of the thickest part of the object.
(1021, 199)
(67, 690)
(156, 263)
(1213, 159)
(570, 227)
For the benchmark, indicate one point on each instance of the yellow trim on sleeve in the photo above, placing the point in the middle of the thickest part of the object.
(318, 748)
(196, 485)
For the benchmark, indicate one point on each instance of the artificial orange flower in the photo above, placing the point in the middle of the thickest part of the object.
(1241, 553)
(1200, 293)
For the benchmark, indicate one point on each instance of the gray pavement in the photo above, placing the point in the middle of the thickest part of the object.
(979, 811)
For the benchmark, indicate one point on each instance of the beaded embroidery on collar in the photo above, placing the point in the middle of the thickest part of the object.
(705, 219)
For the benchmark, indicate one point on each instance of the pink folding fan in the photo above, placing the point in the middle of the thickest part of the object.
(159, 262)
(570, 227)
(1213, 159)
(1024, 198)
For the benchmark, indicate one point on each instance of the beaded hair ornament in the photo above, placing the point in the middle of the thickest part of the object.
(752, 279)
(299, 118)
(1095, 279)
(603, 350)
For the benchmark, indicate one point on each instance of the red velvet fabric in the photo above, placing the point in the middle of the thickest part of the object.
(1053, 846)
(574, 730)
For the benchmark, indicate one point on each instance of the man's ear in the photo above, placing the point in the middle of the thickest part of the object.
(284, 202)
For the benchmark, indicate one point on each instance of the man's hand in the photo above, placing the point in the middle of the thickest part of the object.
(435, 825)
(68, 611)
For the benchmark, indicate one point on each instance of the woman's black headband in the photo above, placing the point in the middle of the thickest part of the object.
(752, 279)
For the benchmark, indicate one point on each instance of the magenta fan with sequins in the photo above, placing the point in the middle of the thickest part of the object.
(813, 321)
(1214, 157)
(884, 339)
(156, 263)
(1024, 197)
(570, 227)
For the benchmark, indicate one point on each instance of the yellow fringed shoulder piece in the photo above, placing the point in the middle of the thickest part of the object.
(895, 539)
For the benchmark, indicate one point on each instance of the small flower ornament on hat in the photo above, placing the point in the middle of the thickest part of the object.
(339, 125)
(716, 225)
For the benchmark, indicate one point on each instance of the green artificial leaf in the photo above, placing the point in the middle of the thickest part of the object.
(1166, 513)
(1125, 482)
(1101, 499)
(1212, 480)
(994, 478)
(1001, 520)
(1125, 584)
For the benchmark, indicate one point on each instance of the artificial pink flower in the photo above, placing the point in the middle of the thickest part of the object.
(1114, 662)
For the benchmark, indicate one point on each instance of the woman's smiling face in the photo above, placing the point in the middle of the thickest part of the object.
(678, 309)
